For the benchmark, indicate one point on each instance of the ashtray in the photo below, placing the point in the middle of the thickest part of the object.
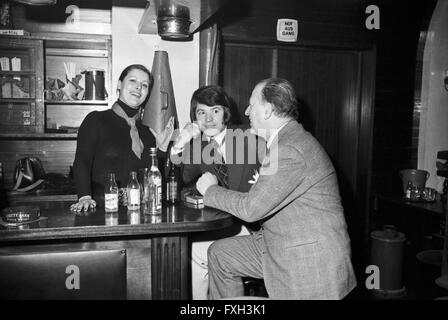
(21, 214)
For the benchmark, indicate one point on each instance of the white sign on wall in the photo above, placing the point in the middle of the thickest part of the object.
(287, 30)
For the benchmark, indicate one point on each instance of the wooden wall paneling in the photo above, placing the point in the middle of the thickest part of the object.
(320, 22)
(56, 155)
(264, 31)
(348, 67)
(242, 68)
(210, 47)
(168, 253)
(365, 199)
(327, 81)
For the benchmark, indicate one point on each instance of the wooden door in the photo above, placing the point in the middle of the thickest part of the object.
(327, 86)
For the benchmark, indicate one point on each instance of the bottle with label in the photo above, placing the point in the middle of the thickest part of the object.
(415, 193)
(144, 187)
(154, 205)
(171, 183)
(111, 194)
(133, 192)
(407, 195)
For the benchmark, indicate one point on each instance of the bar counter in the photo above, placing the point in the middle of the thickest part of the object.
(59, 223)
(153, 252)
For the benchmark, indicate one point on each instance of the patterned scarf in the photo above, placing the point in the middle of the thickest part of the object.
(137, 144)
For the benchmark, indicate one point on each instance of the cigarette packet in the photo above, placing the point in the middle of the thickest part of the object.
(194, 199)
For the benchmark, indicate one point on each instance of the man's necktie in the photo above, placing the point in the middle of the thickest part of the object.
(219, 167)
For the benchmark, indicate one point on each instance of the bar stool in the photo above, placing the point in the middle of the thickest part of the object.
(254, 287)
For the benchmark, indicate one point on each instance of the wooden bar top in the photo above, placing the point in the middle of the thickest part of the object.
(58, 222)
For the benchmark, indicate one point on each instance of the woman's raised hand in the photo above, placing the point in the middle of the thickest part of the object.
(163, 139)
(190, 131)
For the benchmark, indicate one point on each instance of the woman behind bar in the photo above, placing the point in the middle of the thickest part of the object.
(113, 140)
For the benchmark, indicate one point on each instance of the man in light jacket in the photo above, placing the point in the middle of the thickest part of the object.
(302, 250)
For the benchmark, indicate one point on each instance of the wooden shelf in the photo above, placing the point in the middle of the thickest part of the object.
(76, 52)
(76, 102)
(75, 41)
(38, 136)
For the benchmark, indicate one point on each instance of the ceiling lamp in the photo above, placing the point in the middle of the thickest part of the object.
(178, 19)
(173, 21)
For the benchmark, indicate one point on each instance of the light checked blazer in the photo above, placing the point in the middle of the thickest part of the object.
(307, 247)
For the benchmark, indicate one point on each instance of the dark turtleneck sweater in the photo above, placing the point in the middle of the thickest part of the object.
(104, 145)
(130, 112)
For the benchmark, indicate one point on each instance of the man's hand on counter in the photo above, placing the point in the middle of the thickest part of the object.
(83, 204)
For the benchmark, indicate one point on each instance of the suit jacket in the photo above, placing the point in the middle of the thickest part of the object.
(241, 158)
(307, 247)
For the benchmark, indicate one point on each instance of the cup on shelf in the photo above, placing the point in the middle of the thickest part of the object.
(429, 194)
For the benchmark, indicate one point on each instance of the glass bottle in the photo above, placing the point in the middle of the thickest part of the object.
(171, 183)
(144, 187)
(415, 193)
(111, 194)
(133, 216)
(407, 195)
(133, 192)
(154, 205)
(111, 218)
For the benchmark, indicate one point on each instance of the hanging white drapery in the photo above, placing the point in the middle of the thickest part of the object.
(433, 130)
